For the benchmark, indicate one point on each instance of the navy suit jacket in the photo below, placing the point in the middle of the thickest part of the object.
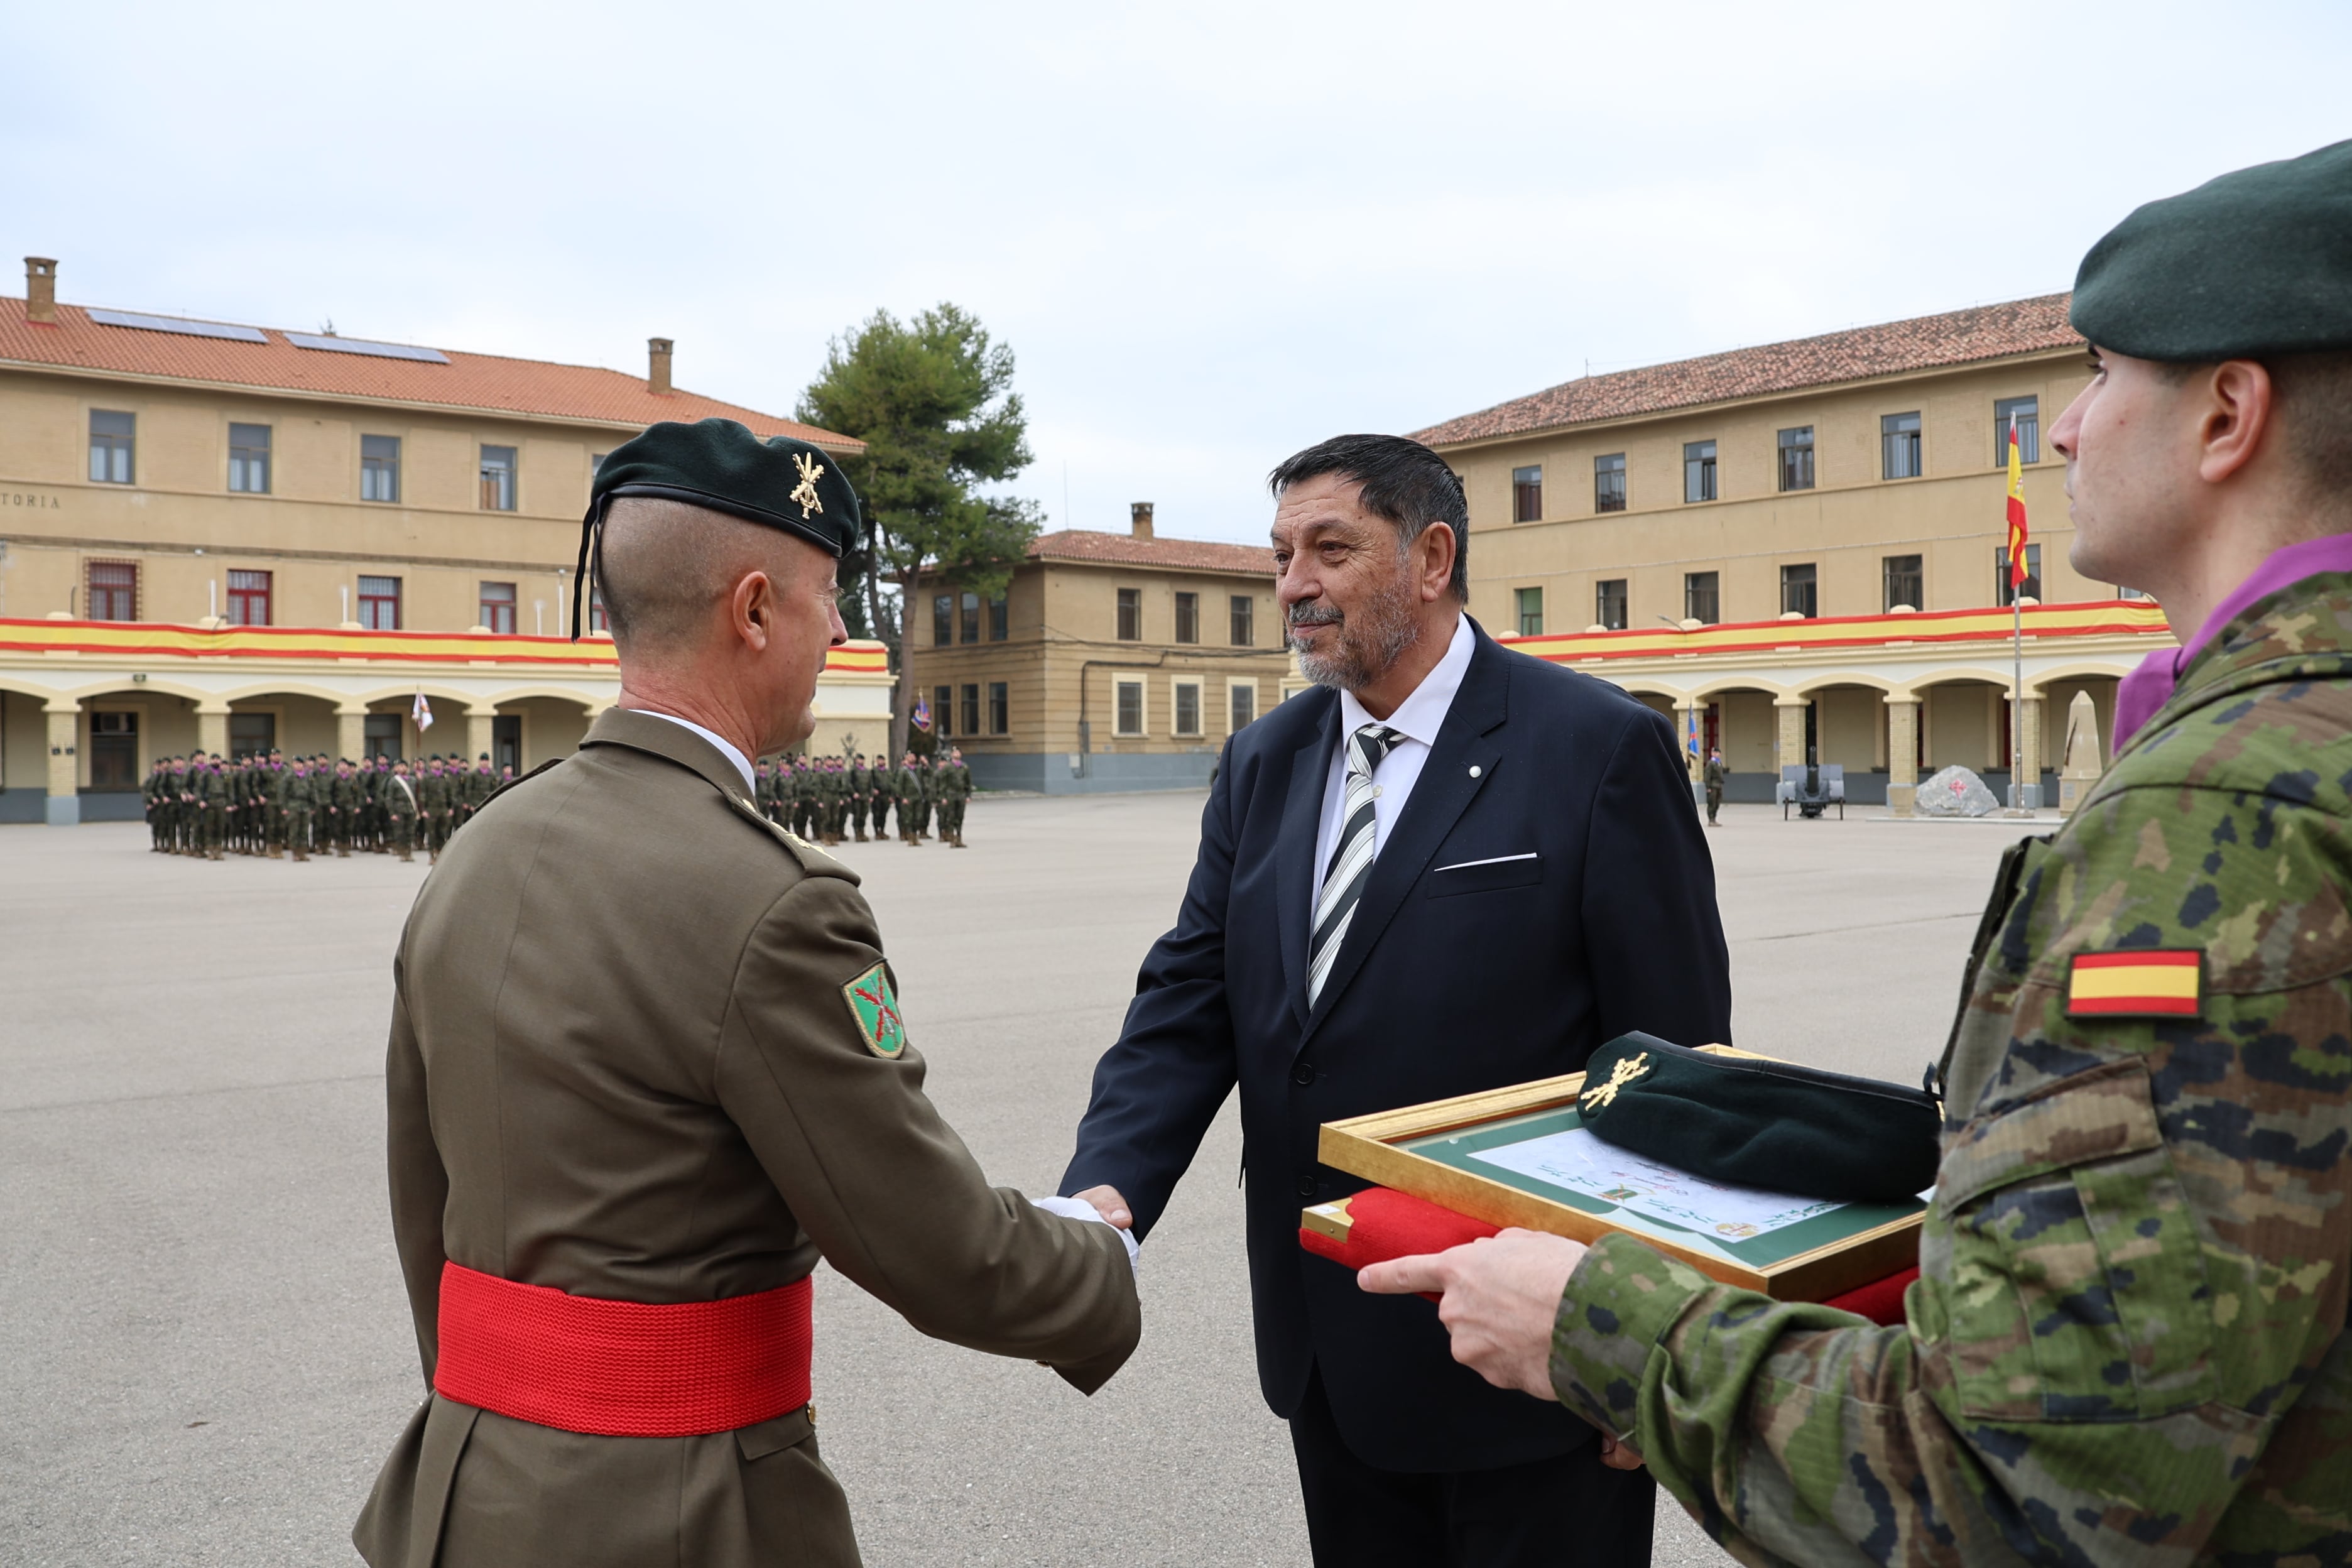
(1454, 976)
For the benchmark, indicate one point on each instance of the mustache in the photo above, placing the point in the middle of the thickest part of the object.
(1315, 614)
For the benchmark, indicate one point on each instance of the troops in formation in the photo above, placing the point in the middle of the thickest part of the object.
(211, 806)
(829, 799)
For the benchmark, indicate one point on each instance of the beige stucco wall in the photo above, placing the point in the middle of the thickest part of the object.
(1953, 516)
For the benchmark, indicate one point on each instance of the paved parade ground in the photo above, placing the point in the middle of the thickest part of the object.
(206, 1348)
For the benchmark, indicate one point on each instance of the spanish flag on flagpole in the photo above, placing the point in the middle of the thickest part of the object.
(2016, 510)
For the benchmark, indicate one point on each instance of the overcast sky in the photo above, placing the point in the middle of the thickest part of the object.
(1211, 233)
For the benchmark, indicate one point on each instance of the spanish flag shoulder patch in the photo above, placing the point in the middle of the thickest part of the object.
(2147, 982)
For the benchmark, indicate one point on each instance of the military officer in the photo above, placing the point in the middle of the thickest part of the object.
(1714, 778)
(401, 810)
(907, 790)
(2126, 1343)
(648, 1064)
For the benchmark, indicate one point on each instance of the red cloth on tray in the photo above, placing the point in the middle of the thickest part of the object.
(1387, 1224)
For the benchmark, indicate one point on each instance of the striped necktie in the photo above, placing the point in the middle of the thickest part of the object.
(1351, 857)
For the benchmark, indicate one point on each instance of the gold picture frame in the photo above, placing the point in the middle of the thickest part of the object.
(1400, 1149)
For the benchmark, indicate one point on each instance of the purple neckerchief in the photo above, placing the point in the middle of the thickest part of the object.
(2150, 685)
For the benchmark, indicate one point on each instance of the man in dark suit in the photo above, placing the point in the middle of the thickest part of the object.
(1452, 867)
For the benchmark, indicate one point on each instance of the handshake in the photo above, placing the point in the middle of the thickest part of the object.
(1498, 1297)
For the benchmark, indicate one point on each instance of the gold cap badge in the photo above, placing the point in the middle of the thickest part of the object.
(805, 493)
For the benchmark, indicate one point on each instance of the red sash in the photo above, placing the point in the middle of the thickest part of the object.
(622, 1369)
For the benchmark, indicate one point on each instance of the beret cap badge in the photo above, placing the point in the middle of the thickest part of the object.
(804, 494)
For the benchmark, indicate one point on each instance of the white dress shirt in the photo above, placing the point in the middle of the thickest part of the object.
(1418, 719)
(726, 747)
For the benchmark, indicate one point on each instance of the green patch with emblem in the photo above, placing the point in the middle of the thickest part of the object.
(875, 1006)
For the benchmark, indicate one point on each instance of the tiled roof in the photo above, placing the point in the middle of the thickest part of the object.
(1174, 554)
(1925, 342)
(522, 386)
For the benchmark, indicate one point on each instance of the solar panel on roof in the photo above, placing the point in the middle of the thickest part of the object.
(180, 324)
(362, 346)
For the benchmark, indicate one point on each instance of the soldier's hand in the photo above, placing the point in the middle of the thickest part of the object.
(1618, 1453)
(1110, 1204)
(1497, 1297)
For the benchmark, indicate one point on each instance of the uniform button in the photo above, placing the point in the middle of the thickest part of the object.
(1303, 1074)
(1305, 1186)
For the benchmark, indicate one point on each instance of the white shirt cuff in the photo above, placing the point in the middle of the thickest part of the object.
(1078, 1208)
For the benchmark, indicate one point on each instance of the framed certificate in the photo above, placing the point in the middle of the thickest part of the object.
(1520, 1156)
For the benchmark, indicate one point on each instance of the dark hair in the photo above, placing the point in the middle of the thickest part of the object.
(2313, 394)
(1402, 481)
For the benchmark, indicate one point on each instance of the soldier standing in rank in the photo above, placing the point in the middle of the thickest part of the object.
(907, 791)
(2127, 1345)
(926, 768)
(804, 797)
(861, 785)
(150, 792)
(837, 815)
(955, 780)
(481, 786)
(1713, 779)
(764, 789)
(607, 1214)
(401, 810)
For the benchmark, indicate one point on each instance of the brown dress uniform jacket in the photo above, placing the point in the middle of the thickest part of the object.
(623, 1065)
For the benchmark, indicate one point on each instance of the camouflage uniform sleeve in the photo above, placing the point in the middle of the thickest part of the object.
(2126, 1345)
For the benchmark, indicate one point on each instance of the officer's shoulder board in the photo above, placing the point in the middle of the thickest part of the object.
(810, 858)
(2137, 982)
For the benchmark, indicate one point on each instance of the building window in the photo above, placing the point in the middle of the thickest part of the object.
(1187, 618)
(249, 598)
(1000, 708)
(1702, 597)
(114, 592)
(498, 479)
(1609, 604)
(970, 720)
(1131, 614)
(1527, 494)
(1797, 459)
(380, 467)
(1609, 482)
(2027, 412)
(1530, 612)
(1698, 471)
(248, 459)
(2031, 588)
(1243, 605)
(379, 604)
(1898, 441)
(970, 623)
(1799, 590)
(597, 620)
(1906, 583)
(1188, 707)
(254, 736)
(943, 711)
(1128, 720)
(111, 437)
(1241, 701)
(380, 736)
(498, 607)
(114, 752)
(999, 620)
(943, 621)
(595, 461)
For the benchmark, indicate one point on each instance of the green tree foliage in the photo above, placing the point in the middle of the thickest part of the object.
(932, 399)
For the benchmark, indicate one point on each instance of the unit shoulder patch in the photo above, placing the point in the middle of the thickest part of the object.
(874, 1003)
(2144, 983)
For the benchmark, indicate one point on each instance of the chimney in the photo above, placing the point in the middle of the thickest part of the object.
(1141, 512)
(657, 366)
(40, 289)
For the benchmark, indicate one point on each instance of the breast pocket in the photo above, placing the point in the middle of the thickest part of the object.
(2075, 1281)
(1484, 875)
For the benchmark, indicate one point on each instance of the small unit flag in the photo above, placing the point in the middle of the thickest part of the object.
(2016, 510)
(2147, 984)
(422, 711)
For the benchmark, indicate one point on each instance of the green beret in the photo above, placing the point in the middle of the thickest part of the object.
(1768, 1124)
(2254, 262)
(779, 483)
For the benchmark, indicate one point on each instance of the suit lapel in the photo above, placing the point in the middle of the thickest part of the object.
(1470, 739)
(1294, 869)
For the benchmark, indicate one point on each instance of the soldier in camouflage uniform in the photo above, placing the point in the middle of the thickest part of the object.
(2126, 1343)
(954, 780)
(402, 810)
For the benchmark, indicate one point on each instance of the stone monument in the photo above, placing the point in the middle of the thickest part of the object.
(2082, 767)
(1955, 792)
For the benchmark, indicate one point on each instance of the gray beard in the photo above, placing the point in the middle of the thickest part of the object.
(1369, 643)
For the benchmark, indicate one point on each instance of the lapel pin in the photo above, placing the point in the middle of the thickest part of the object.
(1474, 770)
